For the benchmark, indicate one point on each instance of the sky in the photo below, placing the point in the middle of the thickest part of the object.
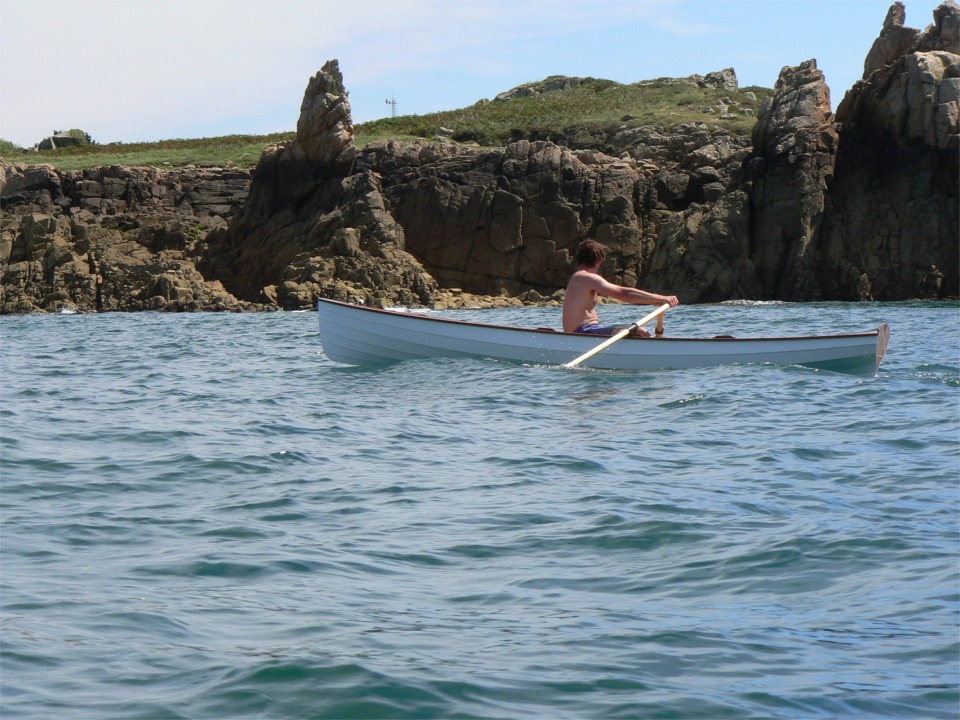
(148, 70)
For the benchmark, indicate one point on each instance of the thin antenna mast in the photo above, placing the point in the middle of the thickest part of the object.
(392, 102)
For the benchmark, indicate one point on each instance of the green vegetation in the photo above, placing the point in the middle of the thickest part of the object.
(585, 116)
(78, 135)
(239, 150)
(592, 111)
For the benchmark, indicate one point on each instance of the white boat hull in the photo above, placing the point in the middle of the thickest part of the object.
(358, 335)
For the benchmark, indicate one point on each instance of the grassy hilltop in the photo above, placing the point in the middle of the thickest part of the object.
(582, 117)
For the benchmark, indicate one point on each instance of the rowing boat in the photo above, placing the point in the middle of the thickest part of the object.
(360, 335)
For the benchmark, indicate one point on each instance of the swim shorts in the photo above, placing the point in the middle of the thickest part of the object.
(594, 329)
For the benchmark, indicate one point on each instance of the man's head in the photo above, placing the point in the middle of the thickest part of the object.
(590, 253)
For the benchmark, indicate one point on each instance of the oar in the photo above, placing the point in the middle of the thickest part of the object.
(618, 336)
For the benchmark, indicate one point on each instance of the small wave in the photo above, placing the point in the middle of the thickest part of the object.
(754, 303)
(234, 532)
(688, 401)
(568, 463)
(947, 375)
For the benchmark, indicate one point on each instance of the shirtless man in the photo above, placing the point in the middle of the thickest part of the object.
(580, 301)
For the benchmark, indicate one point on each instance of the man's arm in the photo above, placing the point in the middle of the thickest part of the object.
(635, 296)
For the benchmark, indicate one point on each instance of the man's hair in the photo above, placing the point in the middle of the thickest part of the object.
(590, 252)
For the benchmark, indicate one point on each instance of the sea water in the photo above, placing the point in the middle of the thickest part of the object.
(201, 516)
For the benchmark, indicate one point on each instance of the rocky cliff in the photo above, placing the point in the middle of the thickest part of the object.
(315, 224)
(892, 223)
(114, 238)
(858, 205)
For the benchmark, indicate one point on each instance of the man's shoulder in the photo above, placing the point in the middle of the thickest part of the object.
(591, 280)
(586, 276)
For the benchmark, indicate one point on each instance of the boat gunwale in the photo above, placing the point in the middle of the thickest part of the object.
(551, 331)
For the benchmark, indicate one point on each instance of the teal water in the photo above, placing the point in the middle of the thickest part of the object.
(203, 517)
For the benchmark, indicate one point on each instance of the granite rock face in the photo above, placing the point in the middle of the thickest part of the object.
(894, 41)
(794, 146)
(753, 239)
(313, 226)
(114, 238)
(503, 221)
(892, 227)
(858, 206)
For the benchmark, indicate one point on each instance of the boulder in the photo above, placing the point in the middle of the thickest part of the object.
(59, 140)
(726, 79)
(554, 83)
(894, 41)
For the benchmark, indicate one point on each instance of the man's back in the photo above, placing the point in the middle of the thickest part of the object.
(580, 300)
